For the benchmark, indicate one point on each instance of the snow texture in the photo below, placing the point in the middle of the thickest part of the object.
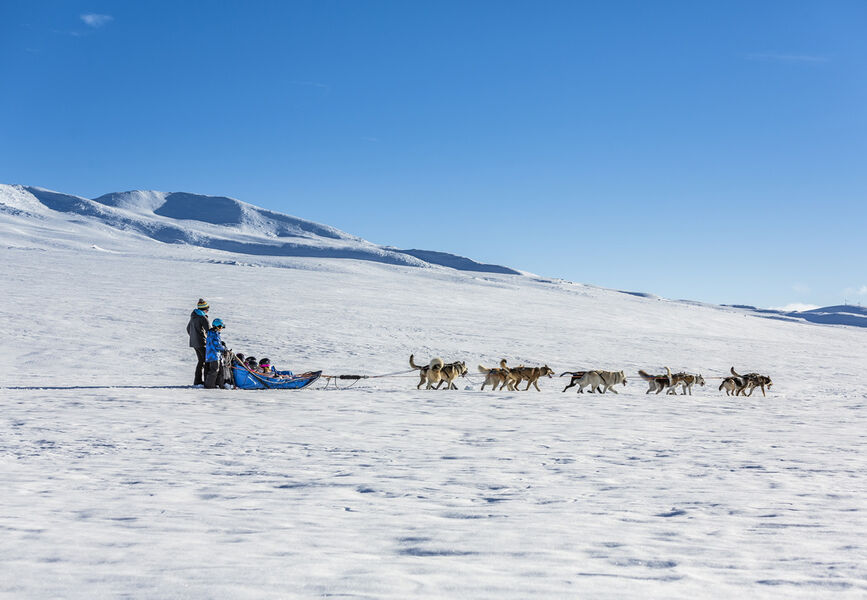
(120, 480)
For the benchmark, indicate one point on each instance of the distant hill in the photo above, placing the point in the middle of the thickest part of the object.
(218, 223)
(841, 314)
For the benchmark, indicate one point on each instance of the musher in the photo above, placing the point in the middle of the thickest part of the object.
(197, 328)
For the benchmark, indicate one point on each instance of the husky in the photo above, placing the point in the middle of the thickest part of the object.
(437, 372)
(686, 381)
(576, 377)
(607, 379)
(656, 383)
(450, 372)
(732, 385)
(498, 377)
(753, 381)
(531, 375)
(429, 373)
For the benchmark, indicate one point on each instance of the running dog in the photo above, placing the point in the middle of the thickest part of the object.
(656, 383)
(753, 381)
(498, 377)
(437, 372)
(450, 372)
(576, 377)
(686, 380)
(732, 385)
(531, 375)
(429, 373)
(607, 379)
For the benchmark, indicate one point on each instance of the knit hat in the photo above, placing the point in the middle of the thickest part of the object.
(202, 305)
(265, 362)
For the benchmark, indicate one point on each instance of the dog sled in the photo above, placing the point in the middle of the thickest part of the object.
(245, 379)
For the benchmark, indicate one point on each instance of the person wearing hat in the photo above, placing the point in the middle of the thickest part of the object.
(214, 350)
(197, 328)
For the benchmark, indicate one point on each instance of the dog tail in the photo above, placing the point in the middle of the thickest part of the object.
(572, 373)
(436, 363)
(668, 374)
(484, 369)
(722, 385)
(734, 372)
(503, 364)
(412, 362)
(644, 375)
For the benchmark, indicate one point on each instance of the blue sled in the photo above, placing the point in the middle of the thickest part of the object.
(246, 380)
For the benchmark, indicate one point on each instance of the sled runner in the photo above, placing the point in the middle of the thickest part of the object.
(247, 380)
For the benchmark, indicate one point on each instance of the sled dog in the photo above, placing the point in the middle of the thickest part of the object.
(437, 372)
(656, 383)
(576, 377)
(607, 379)
(753, 381)
(450, 372)
(531, 375)
(732, 385)
(686, 381)
(427, 373)
(498, 377)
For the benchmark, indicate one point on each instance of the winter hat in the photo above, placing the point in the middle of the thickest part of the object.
(265, 362)
(240, 356)
(202, 305)
(251, 360)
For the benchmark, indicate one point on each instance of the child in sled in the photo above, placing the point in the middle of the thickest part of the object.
(269, 370)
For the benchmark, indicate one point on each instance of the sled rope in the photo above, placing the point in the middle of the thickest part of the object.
(357, 377)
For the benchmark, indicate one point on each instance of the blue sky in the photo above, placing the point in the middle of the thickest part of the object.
(711, 151)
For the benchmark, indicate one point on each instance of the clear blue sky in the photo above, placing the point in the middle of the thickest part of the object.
(707, 150)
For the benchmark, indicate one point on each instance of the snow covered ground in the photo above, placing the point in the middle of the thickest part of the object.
(120, 481)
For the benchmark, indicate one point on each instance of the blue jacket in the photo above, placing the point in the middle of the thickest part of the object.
(213, 346)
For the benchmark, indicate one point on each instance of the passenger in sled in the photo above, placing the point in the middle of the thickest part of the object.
(264, 368)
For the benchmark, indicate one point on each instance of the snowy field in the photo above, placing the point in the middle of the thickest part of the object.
(120, 481)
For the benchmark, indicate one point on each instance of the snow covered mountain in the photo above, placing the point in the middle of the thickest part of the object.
(213, 222)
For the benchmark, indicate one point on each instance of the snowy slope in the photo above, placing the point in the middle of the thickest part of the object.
(212, 222)
(121, 481)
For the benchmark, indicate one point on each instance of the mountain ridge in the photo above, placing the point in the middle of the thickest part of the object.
(225, 224)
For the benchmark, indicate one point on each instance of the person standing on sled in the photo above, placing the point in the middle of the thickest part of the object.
(197, 328)
(214, 350)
